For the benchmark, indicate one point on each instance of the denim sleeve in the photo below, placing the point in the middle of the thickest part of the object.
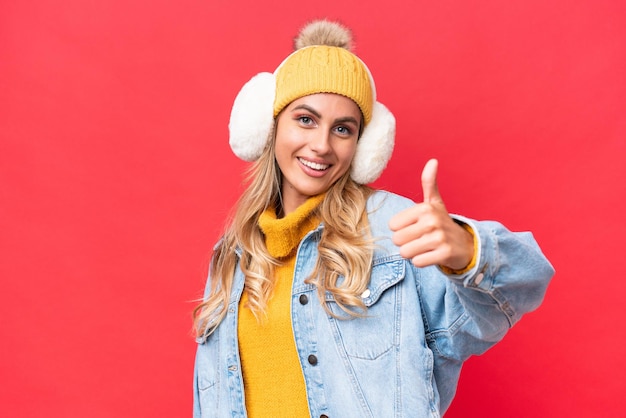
(196, 395)
(468, 313)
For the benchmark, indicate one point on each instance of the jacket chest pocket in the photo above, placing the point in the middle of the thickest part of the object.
(374, 334)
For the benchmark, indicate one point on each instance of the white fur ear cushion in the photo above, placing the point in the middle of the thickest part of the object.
(375, 146)
(252, 117)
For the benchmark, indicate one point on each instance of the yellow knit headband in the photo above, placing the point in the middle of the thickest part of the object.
(324, 69)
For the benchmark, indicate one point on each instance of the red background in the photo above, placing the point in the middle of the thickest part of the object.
(116, 177)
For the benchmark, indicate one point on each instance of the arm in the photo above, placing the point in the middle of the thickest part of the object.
(476, 280)
(467, 313)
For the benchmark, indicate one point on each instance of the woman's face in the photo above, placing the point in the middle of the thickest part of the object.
(316, 138)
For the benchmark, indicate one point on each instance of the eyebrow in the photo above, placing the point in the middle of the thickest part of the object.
(346, 119)
(308, 109)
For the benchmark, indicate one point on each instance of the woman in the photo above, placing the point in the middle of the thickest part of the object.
(326, 298)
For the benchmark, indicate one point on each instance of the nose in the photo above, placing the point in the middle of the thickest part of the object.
(320, 141)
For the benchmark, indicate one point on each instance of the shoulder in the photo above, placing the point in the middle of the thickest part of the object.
(384, 204)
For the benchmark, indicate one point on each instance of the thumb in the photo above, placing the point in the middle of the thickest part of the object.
(429, 182)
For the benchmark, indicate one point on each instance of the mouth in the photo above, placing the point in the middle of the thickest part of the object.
(314, 166)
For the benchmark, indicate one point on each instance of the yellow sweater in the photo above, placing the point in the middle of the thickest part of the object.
(273, 381)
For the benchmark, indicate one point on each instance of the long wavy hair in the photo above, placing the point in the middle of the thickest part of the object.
(345, 249)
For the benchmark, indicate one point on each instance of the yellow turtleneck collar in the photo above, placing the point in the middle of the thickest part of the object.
(283, 235)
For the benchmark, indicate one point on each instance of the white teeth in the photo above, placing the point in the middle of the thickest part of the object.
(314, 166)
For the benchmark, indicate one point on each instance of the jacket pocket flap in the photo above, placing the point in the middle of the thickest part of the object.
(386, 272)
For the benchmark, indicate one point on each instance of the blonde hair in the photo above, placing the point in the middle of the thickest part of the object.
(345, 248)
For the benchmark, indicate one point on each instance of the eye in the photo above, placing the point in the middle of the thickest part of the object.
(305, 120)
(343, 130)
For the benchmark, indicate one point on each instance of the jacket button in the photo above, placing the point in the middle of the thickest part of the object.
(312, 360)
(479, 278)
(304, 299)
(323, 416)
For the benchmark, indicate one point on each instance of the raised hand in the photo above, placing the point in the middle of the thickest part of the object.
(427, 234)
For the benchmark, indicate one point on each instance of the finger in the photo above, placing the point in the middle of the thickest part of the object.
(417, 248)
(423, 252)
(429, 258)
(409, 216)
(407, 234)
(429, 182)
(420, 224)
(404, 218)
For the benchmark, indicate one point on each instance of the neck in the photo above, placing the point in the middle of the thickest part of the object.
(282, 235)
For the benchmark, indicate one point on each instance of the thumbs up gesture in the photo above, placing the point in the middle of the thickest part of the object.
(427, 234)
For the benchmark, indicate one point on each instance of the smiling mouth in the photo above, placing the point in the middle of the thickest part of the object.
(314, 166)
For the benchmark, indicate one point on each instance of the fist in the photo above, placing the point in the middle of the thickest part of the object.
(426, 234)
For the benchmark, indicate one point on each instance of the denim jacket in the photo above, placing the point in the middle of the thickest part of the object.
(404, 358)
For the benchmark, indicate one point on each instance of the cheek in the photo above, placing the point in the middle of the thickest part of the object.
(288, 137)
(285, 147)
(282, 144)
(280, 155)
(346, 153)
